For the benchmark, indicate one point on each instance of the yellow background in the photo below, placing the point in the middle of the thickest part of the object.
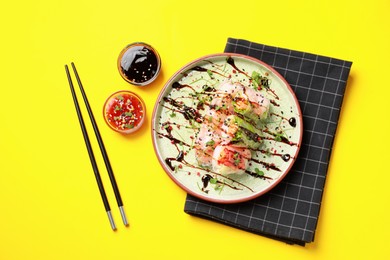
(50, 207)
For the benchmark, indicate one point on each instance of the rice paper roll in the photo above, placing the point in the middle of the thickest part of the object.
(208, 137)
(228, 159)
(238, 132)
(251, 104)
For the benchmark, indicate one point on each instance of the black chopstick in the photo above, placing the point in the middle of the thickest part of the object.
(90, 152)
(102, 149)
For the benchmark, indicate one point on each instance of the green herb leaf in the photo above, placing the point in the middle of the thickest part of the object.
(255, 75)
(237, 159)
(237, 136)
(213, 180)
(237, 162)
(210, 143)
(259, 81)
(210, 73)
(258, 172)
(279, 136)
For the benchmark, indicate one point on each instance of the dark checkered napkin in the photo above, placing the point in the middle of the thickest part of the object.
(289, 212)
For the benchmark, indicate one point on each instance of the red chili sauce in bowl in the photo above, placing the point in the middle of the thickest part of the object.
(124, 112)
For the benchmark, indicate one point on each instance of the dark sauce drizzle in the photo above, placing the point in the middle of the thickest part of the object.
(292, 121)
(253, 174)
(231, 62)
(278, 138)
(201, 69)
(264, 82)
(285, 157)
(180, 158)
(268, 166)
(178, 86)
(190, 113)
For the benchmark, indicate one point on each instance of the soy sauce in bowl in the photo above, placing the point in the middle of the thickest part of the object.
(139, 63)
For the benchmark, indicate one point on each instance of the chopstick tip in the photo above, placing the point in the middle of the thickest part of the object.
(111, 219)
(123, 214)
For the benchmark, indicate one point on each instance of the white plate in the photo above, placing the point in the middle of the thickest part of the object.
(173, 134)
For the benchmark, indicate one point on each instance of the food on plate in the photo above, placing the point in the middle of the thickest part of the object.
(207, 139)
(229, 159)
(226, 128)
(246, 101)
(238, 132)
(251, 104)
(231, 128)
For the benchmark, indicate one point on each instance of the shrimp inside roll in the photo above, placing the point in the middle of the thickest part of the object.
(229, 159)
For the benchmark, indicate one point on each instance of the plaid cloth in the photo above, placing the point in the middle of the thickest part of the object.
(289, 212)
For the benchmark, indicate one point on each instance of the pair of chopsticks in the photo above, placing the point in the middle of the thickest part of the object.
(90, 151)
